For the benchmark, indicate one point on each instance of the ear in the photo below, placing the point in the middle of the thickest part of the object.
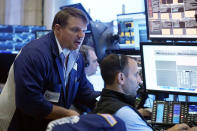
(121, 78)
(57, 27)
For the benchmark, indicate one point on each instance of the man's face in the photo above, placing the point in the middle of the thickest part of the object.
(93, 64)
(130, 86)
(71, 36)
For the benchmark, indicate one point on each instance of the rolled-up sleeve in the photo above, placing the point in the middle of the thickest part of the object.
(29, 74)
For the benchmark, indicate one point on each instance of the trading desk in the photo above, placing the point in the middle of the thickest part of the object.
(166, 114)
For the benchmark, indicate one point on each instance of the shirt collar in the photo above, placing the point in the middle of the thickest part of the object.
(65, 51)
(128, 99)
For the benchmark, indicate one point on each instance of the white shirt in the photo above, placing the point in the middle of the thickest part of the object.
(72, 58)
(96, 80)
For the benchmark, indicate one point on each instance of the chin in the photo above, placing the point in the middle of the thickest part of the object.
(75, 48)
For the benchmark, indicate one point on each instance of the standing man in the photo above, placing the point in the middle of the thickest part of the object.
(120, 74)
(49, 74)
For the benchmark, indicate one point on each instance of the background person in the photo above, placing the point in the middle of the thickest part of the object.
(90, 59)
(92, 69)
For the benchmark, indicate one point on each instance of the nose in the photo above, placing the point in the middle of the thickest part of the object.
(139, 80)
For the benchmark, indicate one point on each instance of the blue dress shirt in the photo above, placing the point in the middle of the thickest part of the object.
(132, 120)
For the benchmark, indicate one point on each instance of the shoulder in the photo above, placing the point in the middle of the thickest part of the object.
(37, 52)
(126, 112)
(40, 47)
(97, 122)
(132, 120)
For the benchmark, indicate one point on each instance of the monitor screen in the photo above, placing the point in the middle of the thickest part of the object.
(176, 113)
(170, 68)
(132, 30)
(14, 37)
(160, 111)
(171, 19)
(192, 109)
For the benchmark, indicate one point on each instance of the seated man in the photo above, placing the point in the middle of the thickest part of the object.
(120, 74)
(90, 69)
(90, 59)
(91, 65)
(96, 122)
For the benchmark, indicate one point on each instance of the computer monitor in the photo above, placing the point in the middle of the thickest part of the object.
(14, 37)
(170, 68)
(171, 19)
(132, 30)
(6, 62)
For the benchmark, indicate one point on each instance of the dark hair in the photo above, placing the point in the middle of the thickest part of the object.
(84, 51)
(111, 65)
(63, 15)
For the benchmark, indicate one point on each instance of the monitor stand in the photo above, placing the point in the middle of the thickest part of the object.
(161, 96)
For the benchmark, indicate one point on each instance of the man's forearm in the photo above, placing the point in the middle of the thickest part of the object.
(59, 112)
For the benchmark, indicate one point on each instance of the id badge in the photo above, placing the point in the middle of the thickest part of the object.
(52, 96)
(75, 66)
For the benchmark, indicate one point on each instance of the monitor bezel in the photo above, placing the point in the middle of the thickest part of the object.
(163, 38)
(7, 60)
(150, 91)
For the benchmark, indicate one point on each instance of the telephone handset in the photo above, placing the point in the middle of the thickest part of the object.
(169, 113)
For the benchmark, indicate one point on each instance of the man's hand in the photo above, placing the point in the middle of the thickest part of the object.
(73, 113)
(179, 127)
(193, 129)
(144, 112)
(59, 112)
